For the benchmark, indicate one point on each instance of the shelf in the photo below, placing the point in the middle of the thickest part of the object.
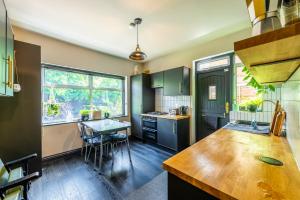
(271, 57)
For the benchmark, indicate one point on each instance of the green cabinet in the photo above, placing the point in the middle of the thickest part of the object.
(2, 48)
(177, 81)
(173, 134)
(6, 53)
(157, 80)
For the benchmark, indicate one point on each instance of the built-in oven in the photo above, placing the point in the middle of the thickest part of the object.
(149, 126)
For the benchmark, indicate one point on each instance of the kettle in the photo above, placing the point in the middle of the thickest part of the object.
(183, 110)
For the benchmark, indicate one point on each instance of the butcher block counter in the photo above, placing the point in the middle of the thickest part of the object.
(224, 165)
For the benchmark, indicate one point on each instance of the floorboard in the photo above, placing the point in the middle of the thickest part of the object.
(69, 177)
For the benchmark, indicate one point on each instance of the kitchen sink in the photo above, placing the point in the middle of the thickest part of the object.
(249, 126)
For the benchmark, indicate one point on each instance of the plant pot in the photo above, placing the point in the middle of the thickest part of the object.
(84, 117)
(252, 108)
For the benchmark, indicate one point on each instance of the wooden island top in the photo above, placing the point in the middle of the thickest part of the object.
(225, 165)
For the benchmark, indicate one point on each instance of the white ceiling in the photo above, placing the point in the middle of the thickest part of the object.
(103, 25)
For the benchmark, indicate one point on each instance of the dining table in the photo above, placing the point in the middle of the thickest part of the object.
(107, 127)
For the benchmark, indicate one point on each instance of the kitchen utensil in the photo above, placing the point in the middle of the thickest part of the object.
(183, 110)
(277, 109)
(279, 123)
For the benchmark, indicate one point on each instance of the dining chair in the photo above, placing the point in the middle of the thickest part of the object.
(120, 139)
(94, 142)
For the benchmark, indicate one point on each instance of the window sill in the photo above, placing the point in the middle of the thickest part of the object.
(76, 121)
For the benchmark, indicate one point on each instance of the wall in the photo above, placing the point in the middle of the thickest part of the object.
(291, 104)
(60, 138)
(186, 56)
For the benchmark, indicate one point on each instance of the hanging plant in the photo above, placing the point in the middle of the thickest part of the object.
(261, 89)
(53, 109)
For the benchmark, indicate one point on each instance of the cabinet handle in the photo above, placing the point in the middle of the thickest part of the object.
(174, 128)
(10, 72)
(180, 87)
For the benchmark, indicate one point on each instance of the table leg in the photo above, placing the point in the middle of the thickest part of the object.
(95, 157)
(101, 152)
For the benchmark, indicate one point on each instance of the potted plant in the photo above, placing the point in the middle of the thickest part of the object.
(85, 114)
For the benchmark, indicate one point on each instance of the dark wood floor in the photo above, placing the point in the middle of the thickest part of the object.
(70, 177)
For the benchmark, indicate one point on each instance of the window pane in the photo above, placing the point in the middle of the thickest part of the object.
(64, 104)
(108, 101)
(58, 77)
(220, 62)
(104, 82)
(244, 92)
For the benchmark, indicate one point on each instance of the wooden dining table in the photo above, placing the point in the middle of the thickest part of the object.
(107, 127)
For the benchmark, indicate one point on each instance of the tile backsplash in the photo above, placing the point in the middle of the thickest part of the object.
(267, 110)
(164, 103)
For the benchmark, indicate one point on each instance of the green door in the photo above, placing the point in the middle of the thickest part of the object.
(10, 59)
(2, 47)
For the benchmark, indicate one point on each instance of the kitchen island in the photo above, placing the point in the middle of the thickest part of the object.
(225, 165)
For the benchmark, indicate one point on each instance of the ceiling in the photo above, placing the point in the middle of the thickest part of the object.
(103, 25)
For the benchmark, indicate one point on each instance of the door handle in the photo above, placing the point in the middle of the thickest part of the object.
(10, 72)
(227, 107)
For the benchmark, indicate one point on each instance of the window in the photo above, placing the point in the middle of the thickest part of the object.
(66, 92)
(244, 93)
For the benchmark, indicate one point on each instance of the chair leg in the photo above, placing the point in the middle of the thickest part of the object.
(85, 153)
(128, 148)
(112, 153)
(82, 147)
(88, 157)
(101, 153)
(95, 157)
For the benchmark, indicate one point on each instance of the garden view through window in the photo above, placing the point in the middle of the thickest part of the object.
(66, 93)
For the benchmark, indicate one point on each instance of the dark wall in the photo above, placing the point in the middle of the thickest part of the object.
(20, 116)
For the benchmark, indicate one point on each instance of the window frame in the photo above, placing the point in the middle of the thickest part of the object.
(90, 86)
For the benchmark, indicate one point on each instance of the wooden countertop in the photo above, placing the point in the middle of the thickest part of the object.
(173, 117)
(225, 165)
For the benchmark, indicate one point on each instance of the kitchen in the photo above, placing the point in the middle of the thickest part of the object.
(211, 112)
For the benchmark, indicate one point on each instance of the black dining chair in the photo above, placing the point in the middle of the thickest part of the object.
(118, 140)
(93, 141)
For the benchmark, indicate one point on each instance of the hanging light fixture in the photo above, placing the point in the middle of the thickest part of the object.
(137, 55)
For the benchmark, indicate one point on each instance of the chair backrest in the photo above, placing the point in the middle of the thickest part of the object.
(80, 128)
(3, 173)
(88, 131)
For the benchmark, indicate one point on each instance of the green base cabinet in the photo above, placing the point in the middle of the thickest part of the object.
(173, 134)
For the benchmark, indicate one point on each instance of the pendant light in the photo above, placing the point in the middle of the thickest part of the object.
(137, 55)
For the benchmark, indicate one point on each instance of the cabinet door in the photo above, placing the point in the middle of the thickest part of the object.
(136, 105)
(167, 133)
(2, 48)
(157, 80)
(173, 82)
(9, 59)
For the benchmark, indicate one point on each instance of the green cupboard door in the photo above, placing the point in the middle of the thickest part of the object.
(10, 59)
(2, 48)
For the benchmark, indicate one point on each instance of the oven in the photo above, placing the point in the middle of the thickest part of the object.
(149, 126)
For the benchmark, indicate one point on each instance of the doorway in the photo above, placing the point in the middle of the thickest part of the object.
(214, 91)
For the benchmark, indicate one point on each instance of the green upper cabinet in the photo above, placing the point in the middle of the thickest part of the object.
(6, 53)
(177, 81)
(2, 48)
(157, 80)
(9, 59)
